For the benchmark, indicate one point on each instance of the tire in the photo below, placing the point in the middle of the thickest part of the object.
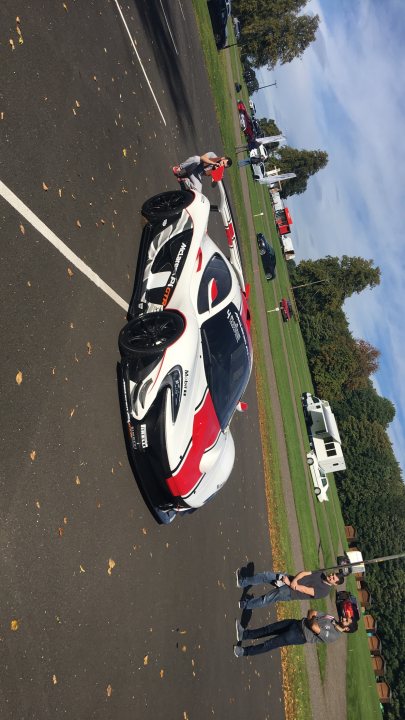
(166, 204)
(317, 491)
(310, 461)
(150, 333)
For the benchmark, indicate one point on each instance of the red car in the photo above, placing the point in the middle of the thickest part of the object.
(286, 309)
(246, 122)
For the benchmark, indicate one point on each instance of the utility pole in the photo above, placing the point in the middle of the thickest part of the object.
(266, 86)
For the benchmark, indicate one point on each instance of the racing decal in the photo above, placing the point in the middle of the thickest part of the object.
(184, 223)
(177, 268)
(230, 233)
(206, 429)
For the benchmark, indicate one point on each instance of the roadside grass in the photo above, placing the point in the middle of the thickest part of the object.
(362, 701)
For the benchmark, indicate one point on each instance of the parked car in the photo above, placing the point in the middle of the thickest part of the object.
(236, 27)
(219, 11)
(245, 121)
(252, 107)
(319, 478)
(186, 356)
(258, 170)
(286, 308)
(259, 151)
(257, 128)
(268, 256)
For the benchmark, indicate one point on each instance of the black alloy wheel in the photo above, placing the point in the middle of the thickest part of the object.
(150, 333)
(166, 205)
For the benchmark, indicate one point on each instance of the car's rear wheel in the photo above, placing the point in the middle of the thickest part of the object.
(149, 333)
(310, 461)
(317, 491)
(166, 204)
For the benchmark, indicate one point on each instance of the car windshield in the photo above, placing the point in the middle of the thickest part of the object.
(226, 361)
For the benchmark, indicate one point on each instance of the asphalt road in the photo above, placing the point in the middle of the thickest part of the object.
(104, 613)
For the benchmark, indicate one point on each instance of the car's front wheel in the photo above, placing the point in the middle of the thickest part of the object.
(317, 491)
(151, 332)
(166, 204)
(310, 461)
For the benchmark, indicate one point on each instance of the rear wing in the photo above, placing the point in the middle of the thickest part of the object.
(233, 244)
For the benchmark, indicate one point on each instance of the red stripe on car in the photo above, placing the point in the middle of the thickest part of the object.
(206, 429)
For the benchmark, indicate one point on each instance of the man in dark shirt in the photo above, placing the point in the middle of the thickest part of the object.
(303, 586)
(315, 628)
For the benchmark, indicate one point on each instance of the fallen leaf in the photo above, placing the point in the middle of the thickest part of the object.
(144, 530)
(33, 455)
(77, 480)
(70, 272)
(19, 377)
(72, 412)
(162, 672)
(146, 660)
(17, 19)
(60, 531)
(77, 103)
(53, 370)
(124, 152)
(22, 229)
(89, 348)
(14, 625)
(38, 504)
(109, 690)
(54, 679)
(78, 223)
(45, 187)
(11, 41)
(82, 570)
(111, 566)
(65, 7)
(74, 111)
(65, 521)
(183, 648)
(60, 192)
(2, 115)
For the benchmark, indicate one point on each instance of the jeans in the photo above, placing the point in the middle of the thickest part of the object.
(277, 594)
(285, 632)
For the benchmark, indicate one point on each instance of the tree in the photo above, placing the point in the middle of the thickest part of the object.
(269, 127)
(273, 31)
(341, 278)
(303, 163)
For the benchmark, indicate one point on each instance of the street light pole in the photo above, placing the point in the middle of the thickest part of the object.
(265, 86)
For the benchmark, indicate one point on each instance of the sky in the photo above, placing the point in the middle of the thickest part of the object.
(345, 96)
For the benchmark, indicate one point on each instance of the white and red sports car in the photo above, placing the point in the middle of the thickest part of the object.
(186, 354)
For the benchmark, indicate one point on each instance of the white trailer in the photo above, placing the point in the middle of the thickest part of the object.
(287, 246)
(324, 433)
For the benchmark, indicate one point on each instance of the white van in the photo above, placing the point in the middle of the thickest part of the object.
(319, 479)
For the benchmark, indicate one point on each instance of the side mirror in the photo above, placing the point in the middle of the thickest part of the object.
(242, 406)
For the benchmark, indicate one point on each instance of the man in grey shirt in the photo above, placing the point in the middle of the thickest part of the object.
(196, 166)
(303, 586)
(316, 627)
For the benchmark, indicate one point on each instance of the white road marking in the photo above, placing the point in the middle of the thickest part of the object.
(181, 8)
(23, 210)
(168, 27)
(139, 60)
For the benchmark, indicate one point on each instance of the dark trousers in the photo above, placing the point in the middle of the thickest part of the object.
(284, 632)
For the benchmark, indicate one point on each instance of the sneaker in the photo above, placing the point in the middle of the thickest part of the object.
(176, 169)
(239, 630)
(237, 575)
(242, 604)
(238, 651)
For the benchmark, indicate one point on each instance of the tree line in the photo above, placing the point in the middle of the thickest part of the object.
(371, 489)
